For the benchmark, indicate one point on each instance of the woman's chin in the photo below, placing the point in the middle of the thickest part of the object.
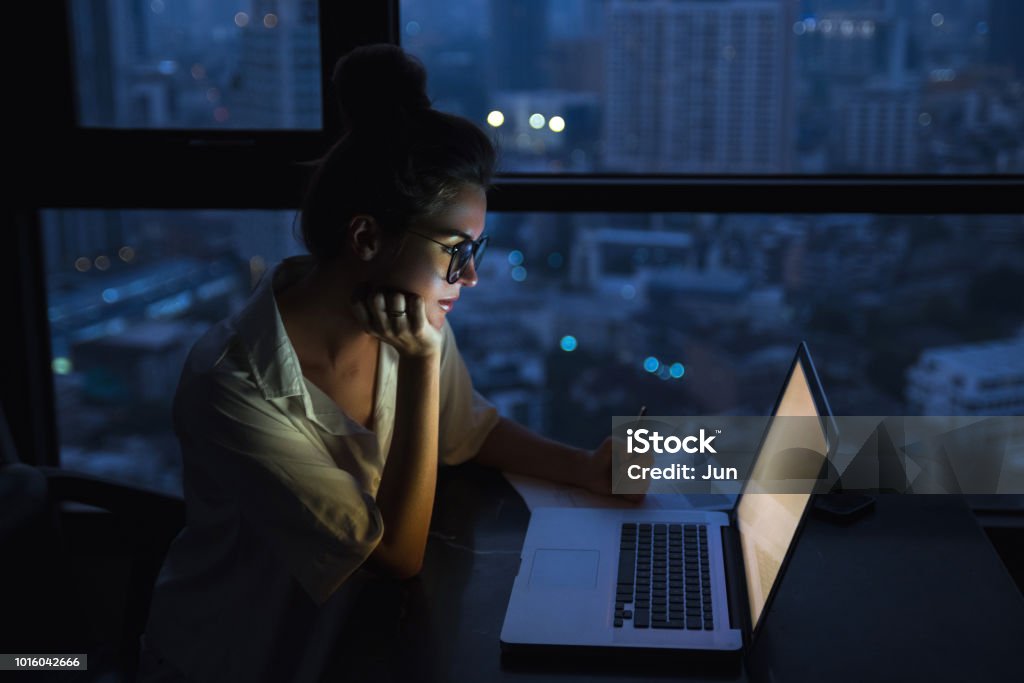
(436, 320)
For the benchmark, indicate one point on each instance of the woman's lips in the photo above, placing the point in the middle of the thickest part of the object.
(447, 304)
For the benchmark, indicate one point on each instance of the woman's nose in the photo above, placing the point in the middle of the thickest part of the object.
(468, 276)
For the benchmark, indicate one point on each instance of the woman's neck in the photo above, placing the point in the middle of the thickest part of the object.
(318, 319)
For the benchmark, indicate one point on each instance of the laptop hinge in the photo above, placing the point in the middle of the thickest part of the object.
(736, 589)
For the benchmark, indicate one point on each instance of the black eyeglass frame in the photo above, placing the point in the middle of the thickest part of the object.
(476, 254)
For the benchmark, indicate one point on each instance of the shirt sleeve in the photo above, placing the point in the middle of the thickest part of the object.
(314, 515)
(466, 417)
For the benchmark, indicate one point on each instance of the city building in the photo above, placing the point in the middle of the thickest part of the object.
(970, 379)
(278, 81)
(699, 87)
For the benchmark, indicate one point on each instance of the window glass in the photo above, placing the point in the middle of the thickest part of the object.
(196, 64)
(732, 86)
(129, 292)
(577, 316)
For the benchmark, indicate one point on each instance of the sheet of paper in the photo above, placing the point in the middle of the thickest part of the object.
(543, 493)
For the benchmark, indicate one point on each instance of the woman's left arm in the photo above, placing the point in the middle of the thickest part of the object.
(513, 448)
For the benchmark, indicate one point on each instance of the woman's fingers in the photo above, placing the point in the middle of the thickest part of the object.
(397, 313)
(416, 313)
(396, 303)
(398, 318)
(378, 308)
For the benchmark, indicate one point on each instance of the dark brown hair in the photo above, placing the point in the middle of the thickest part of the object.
(398, 160)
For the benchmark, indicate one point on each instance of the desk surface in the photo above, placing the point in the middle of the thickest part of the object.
(914, 591)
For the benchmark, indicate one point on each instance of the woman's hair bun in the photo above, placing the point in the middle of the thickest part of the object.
(377, 83)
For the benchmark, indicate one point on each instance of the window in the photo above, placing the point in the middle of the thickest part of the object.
(627, 94)
(577, 317)
(197, 65)
(129, 293)
(755, 87)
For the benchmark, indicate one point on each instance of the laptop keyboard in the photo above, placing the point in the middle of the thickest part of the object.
(664, 580)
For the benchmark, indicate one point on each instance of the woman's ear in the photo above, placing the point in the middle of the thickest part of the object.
(365, 237)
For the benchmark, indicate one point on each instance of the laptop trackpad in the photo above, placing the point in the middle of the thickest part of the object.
(564, 568)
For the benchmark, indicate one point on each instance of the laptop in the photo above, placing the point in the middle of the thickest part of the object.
(671, 580)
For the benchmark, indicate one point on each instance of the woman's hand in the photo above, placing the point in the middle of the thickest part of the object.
(399, 319)
(595, 472)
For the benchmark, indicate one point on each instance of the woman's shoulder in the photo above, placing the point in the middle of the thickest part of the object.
(217, 363)
(218, 388)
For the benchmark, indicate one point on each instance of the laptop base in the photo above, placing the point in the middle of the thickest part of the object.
(601, 661)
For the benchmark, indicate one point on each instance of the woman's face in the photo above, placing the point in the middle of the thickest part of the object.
(421, 266)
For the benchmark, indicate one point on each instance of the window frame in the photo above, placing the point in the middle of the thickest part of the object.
(62, 166)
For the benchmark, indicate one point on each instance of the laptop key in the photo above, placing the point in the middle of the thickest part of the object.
(694, 623)
(627, 614)
(618, 623)
(667, 624)
(641, 618)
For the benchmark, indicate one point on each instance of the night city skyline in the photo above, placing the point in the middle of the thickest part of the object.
(688, 313)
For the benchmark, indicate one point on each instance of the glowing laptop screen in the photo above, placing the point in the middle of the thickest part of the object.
(768, 519)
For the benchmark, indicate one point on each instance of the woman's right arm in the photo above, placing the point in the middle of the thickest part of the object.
(314, 516)
(405, 496)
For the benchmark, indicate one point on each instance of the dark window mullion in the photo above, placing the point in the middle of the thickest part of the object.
(861, 194)
(28, 394)
(254, 182)
(67, 166)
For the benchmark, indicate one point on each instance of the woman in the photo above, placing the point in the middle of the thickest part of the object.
(312, 422)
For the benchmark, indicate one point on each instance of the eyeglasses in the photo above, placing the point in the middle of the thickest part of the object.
(461, 254)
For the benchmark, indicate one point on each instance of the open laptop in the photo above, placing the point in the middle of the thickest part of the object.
(672, 580)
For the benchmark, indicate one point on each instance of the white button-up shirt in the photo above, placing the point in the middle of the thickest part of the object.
(280, 489)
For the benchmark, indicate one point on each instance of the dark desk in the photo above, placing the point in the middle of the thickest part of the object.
(912, 592)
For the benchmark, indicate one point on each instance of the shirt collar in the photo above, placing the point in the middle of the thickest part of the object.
(274, 364)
